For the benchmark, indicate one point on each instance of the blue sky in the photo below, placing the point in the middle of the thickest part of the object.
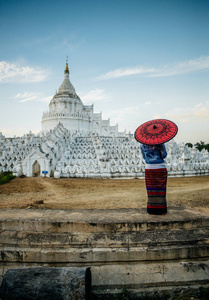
(134, 60)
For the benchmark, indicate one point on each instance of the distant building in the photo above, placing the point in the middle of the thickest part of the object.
(76, 142)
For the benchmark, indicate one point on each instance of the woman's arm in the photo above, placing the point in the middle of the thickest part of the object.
(163, 151)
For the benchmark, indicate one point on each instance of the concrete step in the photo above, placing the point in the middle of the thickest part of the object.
(152, 280)
(125, 248)
(105, 239)
(92, 256)
(115, 220)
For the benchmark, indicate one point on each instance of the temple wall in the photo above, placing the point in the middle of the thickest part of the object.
(72, 124)
(68, 153)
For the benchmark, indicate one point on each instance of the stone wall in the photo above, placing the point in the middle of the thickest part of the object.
(126, 249)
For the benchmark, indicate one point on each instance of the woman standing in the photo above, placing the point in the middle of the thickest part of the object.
(155, 178)
(153, 134)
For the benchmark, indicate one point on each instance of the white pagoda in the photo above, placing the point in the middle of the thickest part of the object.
(67, 108)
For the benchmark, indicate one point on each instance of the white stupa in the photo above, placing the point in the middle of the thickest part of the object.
(67, 108)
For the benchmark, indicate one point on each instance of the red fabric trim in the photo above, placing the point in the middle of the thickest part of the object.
(156, 193)
(154, 206)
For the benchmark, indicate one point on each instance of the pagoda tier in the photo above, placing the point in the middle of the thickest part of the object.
(67, 108)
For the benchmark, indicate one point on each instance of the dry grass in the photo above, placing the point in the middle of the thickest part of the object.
(68, 193)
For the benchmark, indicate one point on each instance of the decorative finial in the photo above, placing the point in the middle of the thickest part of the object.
(66, 67)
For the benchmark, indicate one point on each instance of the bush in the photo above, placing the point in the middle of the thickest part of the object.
(6, 177)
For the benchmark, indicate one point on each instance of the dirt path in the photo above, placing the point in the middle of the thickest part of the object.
(68, 193)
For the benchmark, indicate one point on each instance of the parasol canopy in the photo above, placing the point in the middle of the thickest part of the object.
(156, 132)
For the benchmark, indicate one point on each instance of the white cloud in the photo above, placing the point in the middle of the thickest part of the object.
(46, 99)
(190, 66)
(31, 96)
(26, 96)
(122, 72)
(94, 95)
(124, 113)
(202, 112)
(197, 113)
(16, 72)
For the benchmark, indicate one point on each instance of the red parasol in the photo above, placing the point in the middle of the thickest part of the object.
(156, 132)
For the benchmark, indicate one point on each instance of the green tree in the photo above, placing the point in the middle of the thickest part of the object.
(201, 145)
(190, 145)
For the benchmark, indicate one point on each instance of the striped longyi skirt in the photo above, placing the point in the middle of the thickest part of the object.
(156, 180)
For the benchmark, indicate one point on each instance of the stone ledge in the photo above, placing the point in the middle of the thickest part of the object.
(123, 247)
(102, 255)
(194, 236)
(172, 280)
(95, 236)
(153, 274)
(99, 220)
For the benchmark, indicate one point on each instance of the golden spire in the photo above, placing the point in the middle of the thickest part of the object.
(66, 67)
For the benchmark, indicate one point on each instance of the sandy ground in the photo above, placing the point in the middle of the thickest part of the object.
(100, 193)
